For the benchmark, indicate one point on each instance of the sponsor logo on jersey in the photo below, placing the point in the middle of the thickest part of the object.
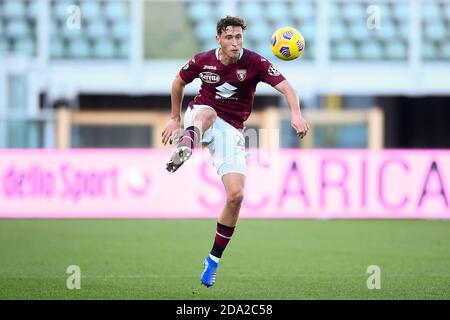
(225, 91)
(206, 67)
(241, 74)
(209, 77)
(273, 72)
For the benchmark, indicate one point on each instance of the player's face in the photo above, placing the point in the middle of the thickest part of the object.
(230, 41)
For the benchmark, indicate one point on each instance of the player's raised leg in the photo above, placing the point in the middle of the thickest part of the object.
(234, 186)
(191, 137)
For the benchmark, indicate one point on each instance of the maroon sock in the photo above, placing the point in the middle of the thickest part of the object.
(223, 236)
(190, 138)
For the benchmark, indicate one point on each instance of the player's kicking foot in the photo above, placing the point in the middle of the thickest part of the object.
(209, 272)
(180, 156)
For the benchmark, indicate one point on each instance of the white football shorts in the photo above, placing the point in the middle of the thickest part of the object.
(226, 144)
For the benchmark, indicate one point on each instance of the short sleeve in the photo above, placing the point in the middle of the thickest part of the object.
(190, 71)
(269, 74)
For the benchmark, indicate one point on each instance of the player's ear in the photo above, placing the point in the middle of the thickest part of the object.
(218, 39)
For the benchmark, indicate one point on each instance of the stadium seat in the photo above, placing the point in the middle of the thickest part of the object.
(334, 11)
(206, 30)
(396, 50)
(447, 11)
(337, 30)
(258, 31)
(401, 11)
(359, 32)
(387, 31)
(13, 9)
(33, 9)
(371, 50)
(430, 11)
(353, 11)
(4, 45)
(123, 50)
(276, 11)
(344, 51)
(435, 31)
(17, 28)
(59, 9)
(104, 49)
(445, 51)
(121, 29)
(98, 29)
(263, 48)
(251, 11)
(199, 10)
(303, 10)
(57, 48)
(308, 30)
(221, 9)
(78, 48)
(91, 10)
(116, 10)
(429, 50)
(208, 44)
(25, 46)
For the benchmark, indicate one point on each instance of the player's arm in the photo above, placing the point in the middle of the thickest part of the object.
(175, 117)
(297, 121)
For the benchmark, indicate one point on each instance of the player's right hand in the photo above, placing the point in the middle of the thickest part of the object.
(171, 130)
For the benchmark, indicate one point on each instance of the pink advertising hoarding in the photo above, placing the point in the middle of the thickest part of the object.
(129, 183)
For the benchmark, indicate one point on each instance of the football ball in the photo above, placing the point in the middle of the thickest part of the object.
(287, 43)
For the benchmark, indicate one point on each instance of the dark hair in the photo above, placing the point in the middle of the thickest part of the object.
(223, 23)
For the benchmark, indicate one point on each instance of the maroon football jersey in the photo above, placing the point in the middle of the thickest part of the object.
(229, 89)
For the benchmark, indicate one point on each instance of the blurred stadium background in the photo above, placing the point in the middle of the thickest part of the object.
(374, 76)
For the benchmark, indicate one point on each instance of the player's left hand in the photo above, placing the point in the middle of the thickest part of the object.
(300, 126)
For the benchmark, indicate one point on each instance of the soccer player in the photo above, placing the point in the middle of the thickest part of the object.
(216, 116)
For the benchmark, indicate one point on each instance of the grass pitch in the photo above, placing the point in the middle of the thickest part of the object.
(267, 259)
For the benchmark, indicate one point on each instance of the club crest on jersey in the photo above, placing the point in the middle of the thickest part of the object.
(209, 77)
(273, 72)
(241, 74)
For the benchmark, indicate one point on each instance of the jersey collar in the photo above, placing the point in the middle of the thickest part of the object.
(240, 54)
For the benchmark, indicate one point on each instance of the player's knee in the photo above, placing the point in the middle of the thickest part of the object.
(207, 117)
(235, 197)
